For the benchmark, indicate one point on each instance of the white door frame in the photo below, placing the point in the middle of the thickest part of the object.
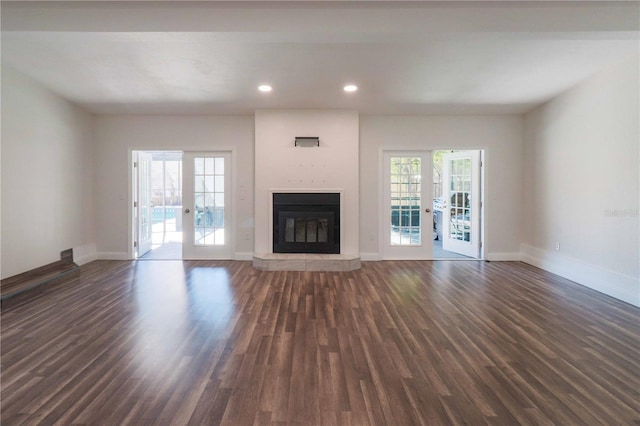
(131, 229)
(426, 217)
(143, 246)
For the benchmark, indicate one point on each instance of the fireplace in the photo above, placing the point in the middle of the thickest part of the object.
(306, 223)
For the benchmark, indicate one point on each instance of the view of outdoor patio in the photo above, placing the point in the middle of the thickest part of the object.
(166, 205)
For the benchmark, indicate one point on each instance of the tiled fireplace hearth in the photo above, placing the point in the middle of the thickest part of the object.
(305, 262)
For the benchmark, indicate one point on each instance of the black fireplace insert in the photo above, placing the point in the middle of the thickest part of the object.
(306, 222)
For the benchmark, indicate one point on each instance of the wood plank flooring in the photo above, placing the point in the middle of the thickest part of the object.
(394, 343)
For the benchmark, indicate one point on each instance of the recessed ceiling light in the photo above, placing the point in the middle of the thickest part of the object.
(265, 88)
(350, 88)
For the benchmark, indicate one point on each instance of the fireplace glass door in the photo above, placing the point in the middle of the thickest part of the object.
(306, 223)
(310, 230)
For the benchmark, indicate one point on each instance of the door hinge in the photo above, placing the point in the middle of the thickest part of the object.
(135, 244)
(135, 164)
(481, 204)
(480, 244)
(481, 163)
(135, 204)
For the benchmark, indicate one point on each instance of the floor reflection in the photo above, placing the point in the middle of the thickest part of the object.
(179, 312)
(161, 302)
(211, 298)
(161, 292)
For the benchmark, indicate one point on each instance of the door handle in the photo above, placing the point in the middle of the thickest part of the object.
(187, 211)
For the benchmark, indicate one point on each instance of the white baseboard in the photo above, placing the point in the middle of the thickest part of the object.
(245, 255)
(84, 254)
(611, 283)
(370, 257)
(504, 257)
(113, 255)
(83, 260)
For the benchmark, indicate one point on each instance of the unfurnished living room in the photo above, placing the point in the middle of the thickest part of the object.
(320, 212)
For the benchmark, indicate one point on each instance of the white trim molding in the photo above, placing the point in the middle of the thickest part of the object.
(611, 283)
(84, 254)
(243, 256)
(504, 257)
(370, 257)
(113, 255)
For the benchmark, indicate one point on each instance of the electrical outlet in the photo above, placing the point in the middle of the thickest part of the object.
(557, 246)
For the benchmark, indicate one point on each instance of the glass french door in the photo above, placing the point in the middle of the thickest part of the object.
(461, 194)
(207, 205)
(143, 205)
(407, 203)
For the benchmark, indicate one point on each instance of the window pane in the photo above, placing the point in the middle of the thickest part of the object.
(218, 217)
(199, 183)
(208, 166)
(199, 236)
(219, 166)
(199, 166)
(208, 183)
(218, 199)
(199, 200)
(219, 184)
(208, 237)
(208, 199)
(219, 237)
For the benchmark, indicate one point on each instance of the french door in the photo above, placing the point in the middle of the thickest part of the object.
(206, 208)
(407, 231)
(143, 208)
(461, 194)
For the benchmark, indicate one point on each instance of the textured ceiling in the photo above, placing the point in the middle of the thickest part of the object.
(466, 65)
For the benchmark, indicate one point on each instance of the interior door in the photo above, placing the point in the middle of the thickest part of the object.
(206, 212)
(461, 194)
(143, 203)
(407, 204)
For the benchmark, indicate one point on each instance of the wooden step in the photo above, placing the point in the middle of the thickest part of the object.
(35, 279)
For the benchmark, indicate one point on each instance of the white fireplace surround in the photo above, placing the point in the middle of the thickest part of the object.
(283, 167)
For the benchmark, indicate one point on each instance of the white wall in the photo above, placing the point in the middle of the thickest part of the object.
(581, 152)
(47, 162)
(332, 166)
(117, 135)
(499, 136)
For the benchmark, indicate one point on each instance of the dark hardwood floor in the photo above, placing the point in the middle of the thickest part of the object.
(395, 343)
